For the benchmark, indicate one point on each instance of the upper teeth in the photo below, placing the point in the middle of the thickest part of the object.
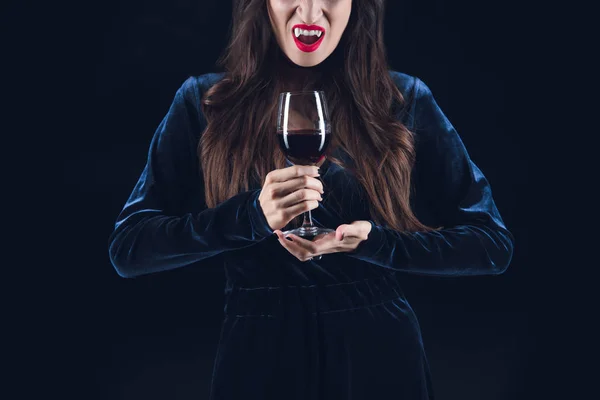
(298, 32)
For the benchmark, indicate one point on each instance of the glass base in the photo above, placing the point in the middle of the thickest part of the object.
(308, 233)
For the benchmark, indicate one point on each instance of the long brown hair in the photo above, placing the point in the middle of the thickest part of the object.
(239, 142)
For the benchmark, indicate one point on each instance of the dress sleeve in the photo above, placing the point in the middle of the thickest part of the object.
(474, 239)
(151, 233)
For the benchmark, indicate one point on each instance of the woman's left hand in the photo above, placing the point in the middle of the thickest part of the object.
(345, 238)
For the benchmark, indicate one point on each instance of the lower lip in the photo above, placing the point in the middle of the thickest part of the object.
(308, 48)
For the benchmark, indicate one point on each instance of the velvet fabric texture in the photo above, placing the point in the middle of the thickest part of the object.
(336, 328)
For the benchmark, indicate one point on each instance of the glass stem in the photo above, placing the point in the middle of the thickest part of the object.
(307, 223)
(307, 220)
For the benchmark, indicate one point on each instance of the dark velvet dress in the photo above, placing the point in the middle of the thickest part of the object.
(336, 328)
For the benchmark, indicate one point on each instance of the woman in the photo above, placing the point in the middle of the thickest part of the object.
(398, 186)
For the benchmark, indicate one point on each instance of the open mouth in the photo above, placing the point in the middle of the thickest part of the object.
(308, 37)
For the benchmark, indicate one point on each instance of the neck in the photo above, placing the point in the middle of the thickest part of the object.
(295, 77)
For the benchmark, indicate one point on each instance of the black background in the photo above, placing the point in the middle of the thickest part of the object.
(91, 84)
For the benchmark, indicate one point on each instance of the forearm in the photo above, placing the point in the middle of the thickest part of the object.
(146, 241)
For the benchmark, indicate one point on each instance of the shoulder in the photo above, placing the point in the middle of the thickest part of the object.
(410, 85)
(415, 94)
(407, 84)
(205, 81)
(194, 86)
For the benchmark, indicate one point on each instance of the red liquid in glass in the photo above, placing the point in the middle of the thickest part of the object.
(304, 146)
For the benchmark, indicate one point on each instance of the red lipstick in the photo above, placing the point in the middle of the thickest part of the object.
(308, 48)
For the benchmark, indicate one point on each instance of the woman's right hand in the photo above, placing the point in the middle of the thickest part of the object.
(289, 192)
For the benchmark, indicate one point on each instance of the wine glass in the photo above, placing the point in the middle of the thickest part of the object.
(304, 132)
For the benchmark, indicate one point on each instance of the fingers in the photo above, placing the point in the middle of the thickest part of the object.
(300, 195)
(304, 249)
(282, 189)
(311, 248)
(305, 245)
(344, 239)
(299, 189)
(294, 248)
(295, 171)
(357, 229)
(301, 207)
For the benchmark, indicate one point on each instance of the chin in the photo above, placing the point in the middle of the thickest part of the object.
(306, 61)
(307, 64)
